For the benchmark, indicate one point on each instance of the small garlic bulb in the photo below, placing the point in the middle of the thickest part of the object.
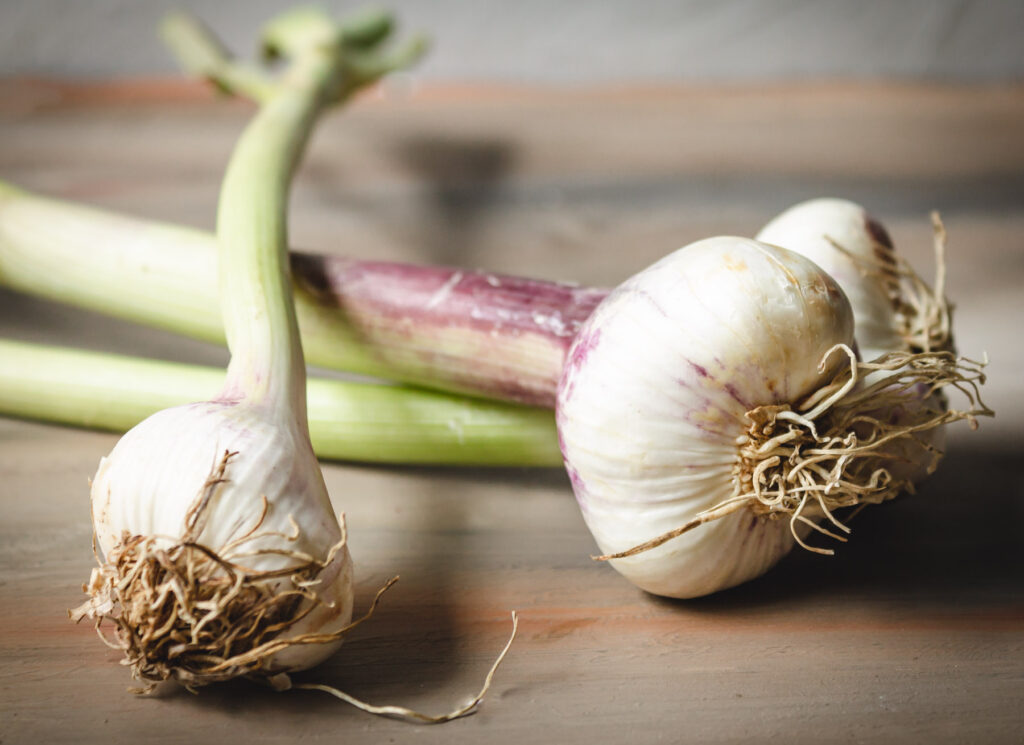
(894, 310)
(855, 249)
(186, 478)
(652, 405)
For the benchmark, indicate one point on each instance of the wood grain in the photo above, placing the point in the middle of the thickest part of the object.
(913, 632)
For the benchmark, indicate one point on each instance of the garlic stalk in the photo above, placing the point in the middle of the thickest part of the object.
(220, 554)
(452, 329)
(347, 420)
(719, 390)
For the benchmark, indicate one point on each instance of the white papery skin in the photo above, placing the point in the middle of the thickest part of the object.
(654, 397)
(155, 472)
(809, 228)
(813, 229)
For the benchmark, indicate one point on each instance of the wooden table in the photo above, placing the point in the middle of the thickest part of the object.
(913, 632)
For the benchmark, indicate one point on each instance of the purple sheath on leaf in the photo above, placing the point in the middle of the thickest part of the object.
(492, 335)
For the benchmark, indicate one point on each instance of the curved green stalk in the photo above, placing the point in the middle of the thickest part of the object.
(326, 64)
(347, 421)
(256, 301)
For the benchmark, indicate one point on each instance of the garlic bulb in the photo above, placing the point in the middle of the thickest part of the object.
(855, 249)
(232, 480)
(712, 331)
(894, 309)
(219, 552)
(712, 413)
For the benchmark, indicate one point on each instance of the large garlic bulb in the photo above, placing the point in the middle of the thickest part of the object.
(653, 405)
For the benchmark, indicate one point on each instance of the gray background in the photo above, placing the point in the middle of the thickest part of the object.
(573, 41)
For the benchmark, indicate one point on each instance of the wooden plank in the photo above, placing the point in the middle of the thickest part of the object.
(914, 631)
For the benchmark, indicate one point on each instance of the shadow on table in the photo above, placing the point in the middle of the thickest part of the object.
(459, 185)
(953, 545)
(463, 177)
(414, 650)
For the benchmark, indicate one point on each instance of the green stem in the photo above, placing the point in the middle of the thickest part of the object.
(256, 302)
(267, 365)
(47, 248)
(348, 421)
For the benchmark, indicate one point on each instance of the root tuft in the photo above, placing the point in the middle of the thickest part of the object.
(196, 615)
(834, 450)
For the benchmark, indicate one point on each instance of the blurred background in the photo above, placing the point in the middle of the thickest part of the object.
(575, 41)
(578, 141)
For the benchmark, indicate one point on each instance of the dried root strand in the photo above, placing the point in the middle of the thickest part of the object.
(835, 449)
(188, 613)
(924, 314)
(411, 715)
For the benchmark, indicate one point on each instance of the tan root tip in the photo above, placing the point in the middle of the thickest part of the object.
(411, 715)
